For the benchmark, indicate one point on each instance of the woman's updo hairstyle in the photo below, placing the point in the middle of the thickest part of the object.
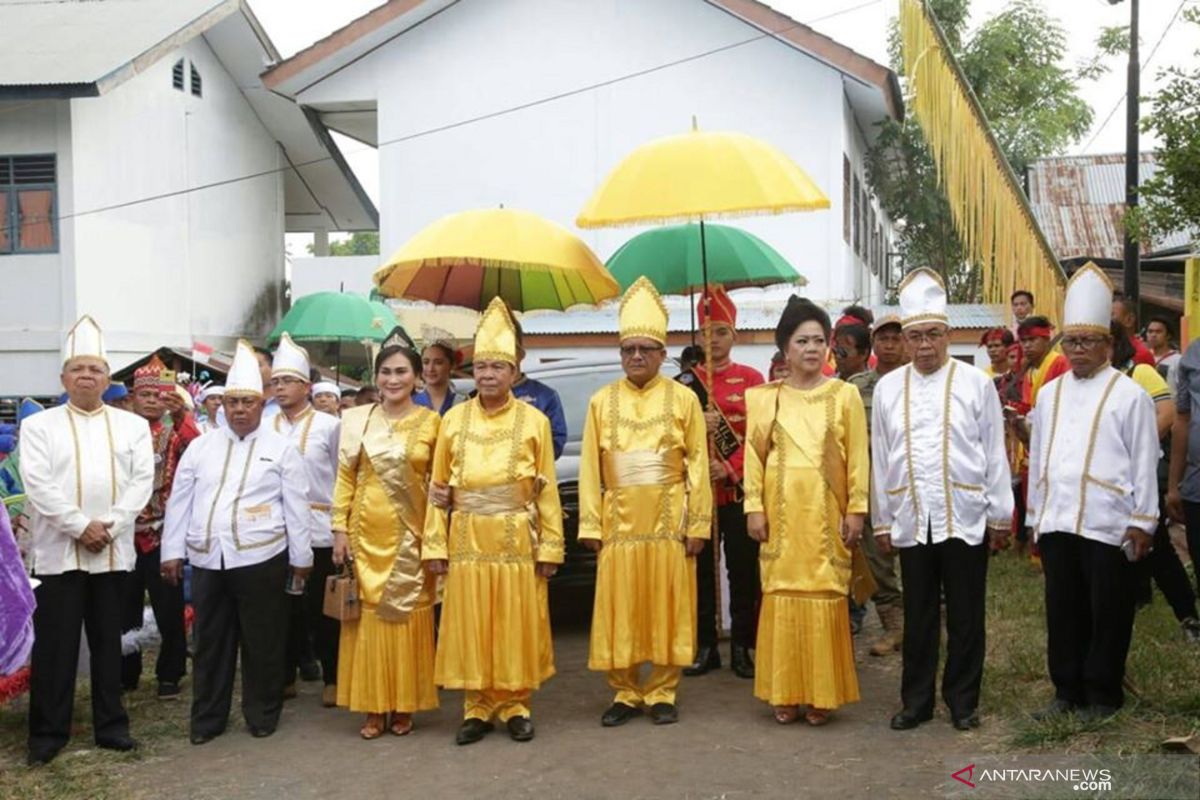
(799, 310)
(398, 341)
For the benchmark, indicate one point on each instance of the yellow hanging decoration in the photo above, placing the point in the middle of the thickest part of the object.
(990, 210)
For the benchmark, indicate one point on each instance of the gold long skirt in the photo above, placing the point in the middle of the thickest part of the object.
(805, 651)
(387, 666)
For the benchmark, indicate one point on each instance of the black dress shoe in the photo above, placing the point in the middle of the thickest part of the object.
(122, 744)
(472, 730)
(168, 691)
(1057, 708)
(707, 658)
(907, 720)
(310, 670)
(520, 729)
(203, 738)
(37, 758)
(260, 733)
(664, 713)
(619, 714)
(742, 662)
(1096, 713)
(966, 723)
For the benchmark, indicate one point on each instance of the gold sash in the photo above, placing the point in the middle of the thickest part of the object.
(506, 498)
(641, 468)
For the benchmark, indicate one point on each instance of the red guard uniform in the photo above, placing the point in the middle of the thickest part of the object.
(728, 389)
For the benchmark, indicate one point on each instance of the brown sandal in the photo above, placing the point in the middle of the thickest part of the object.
(402, 724)
(373, 727)
(786, 715)
(816, 716)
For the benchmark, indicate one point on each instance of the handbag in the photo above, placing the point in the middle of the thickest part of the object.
(341, 596)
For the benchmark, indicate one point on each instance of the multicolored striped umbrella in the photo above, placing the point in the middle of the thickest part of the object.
(466, 259)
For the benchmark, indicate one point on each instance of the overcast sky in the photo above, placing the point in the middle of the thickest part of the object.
(859, 24)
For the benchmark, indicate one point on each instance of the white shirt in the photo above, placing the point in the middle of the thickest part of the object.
(238, 502)
(78, 466)
(937, 456)
(315, 434)
(1093, 458)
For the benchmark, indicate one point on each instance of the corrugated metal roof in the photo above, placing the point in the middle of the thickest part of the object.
(1079, 202)
(758, 310)
(82, 41)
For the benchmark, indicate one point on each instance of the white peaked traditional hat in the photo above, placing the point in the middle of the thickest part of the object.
(84, 339)
(290, 359)
(244, 379)
(1088, 307)
(326, 387)
(922, 298)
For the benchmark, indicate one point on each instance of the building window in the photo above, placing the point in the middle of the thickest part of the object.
(858, 228)
(177, 75)
(195, 81)
(27, 204)
(873, 239)
(846, 200)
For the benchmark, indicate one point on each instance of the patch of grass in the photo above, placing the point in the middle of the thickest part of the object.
(1163, 671)
(82, 770)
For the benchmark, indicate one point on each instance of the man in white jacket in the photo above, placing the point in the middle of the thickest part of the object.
(941, 494)
(239, 511)
(88, 470)
(1093, 505)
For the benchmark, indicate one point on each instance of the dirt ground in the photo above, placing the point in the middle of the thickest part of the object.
(725, 745)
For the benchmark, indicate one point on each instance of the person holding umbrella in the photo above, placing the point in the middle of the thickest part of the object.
(725, 419)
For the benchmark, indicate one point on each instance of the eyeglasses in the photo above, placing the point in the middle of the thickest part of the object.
(1082, 342)
(932, 336)
(285, 380)
(629, 350)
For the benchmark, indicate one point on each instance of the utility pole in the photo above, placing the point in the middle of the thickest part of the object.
(1132, 266)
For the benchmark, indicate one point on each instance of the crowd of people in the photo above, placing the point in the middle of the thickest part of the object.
(872, 468)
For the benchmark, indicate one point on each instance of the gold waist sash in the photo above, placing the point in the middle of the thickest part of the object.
(493, 501)
(641, 468)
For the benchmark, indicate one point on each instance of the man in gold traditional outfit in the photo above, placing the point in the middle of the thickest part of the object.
(503, 540)
(645, 504)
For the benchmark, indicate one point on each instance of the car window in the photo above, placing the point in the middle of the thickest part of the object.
(575, 390)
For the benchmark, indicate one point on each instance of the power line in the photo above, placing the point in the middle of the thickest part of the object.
(1125, 95)
(294, 166)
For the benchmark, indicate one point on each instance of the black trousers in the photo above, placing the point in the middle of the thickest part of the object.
(167, 603)
(959, 571)
(244, 607)
(741, 564)
(1191, 513)
(1163, 566)
(64, 603)
(1089, 617)
(311, 633)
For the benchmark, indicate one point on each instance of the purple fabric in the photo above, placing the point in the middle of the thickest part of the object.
(16, 603)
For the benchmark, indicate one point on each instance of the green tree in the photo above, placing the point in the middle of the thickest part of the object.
(360, 243)
(1014, 63)
(1170, 201)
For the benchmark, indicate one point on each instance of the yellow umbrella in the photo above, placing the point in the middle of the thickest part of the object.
(466, 259)
(700, 175)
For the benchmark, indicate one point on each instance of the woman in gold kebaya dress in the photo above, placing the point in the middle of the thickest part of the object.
(385, 658)
(806, 479)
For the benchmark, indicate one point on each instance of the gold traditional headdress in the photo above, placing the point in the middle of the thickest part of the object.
(496, 336)
(1088, 305)
(643, 313)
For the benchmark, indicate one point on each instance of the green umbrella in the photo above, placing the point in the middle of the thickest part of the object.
(335, 317)
(671, 258)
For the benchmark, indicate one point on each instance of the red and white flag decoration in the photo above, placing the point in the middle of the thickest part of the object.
(201, 352)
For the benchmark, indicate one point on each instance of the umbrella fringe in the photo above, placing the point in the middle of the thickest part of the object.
(733, 213)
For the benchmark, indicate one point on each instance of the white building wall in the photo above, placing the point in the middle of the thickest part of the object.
(206, 264)
(36, 287)
(480, 57)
